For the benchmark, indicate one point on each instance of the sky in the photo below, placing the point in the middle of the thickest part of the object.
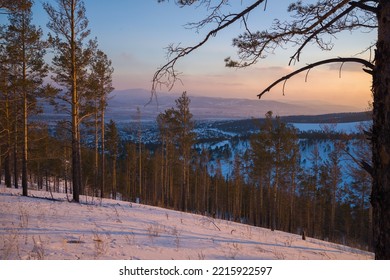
(135, 34)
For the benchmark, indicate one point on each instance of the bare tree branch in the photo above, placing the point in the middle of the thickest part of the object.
(366, 63)
(365, 7)
(309, 24)
(297, 54)
(167, 75)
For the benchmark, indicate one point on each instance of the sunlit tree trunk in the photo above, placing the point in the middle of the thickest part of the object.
(71, 58)
(7, 157)
(102, 153)
(16, 142)
(76, 156)
(96, 158)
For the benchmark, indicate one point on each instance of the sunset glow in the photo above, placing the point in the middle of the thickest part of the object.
(135, 38)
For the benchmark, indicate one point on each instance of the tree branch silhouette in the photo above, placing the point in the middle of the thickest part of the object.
(167, 75)
(366, 63)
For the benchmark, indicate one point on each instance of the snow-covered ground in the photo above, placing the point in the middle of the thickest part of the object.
(348, 128)
(37, 228)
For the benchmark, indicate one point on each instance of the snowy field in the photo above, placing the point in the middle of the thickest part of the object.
(348, 128)
(39, 228)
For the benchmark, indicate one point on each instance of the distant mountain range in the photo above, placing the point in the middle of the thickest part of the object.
(122, 106)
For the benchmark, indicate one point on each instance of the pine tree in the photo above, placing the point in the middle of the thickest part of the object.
(26, 51)
(112, 145)
(9, 6)
(139, 136)
(360, 188)
(308, 191)
(99, 87)
(5, 116)
(71, 58)
(165, 122)
(185, 139)
(176, 132)
(274, 157)
(313, 23)
(334, 166)
(237, 191)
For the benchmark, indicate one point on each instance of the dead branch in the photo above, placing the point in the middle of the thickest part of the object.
(366, 63)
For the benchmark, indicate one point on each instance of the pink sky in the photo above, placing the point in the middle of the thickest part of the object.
(134, 37)
(322, 85)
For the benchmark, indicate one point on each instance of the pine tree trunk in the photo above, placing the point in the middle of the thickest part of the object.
(292, 195)
(1, 166)
(7, 170)
(76, 157)
(114, 178)
(380, 196)
(103, 158)
(162, 178)
(25, 127)
(96, 159)
(274, 202)
(139, 135)
(7, 158)
(24, 149)
(15, 157)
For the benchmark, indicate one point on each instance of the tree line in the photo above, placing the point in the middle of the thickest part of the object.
(267, 186)
(84, 155)
(308, 24)
(81, 76)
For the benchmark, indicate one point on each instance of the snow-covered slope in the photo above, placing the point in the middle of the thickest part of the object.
(36, 228)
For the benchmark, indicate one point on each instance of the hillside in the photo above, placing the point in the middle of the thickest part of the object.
(122, 106)
(36, 228)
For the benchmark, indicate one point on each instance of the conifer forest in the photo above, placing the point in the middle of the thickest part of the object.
(56, 137)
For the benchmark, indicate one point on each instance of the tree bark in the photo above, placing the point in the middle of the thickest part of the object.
(15, 150)
(96, 160)
(76, 157)
(380, 196)
(25, 113)
(25, 141)
(7, 157)
(103, 158)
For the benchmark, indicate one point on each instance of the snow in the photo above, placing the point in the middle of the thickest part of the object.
(39, 228)
(350, 127)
